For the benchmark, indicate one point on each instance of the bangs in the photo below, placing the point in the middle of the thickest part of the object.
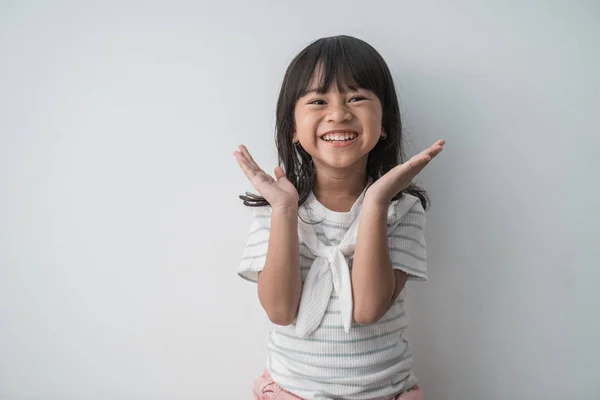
(349, 62)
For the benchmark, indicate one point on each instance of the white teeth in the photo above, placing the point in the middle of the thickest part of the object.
(338, 137)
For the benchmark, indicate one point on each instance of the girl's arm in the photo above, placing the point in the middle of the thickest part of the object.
(280, 282)
(375, 285)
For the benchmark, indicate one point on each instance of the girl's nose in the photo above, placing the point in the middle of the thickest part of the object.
(338, 114)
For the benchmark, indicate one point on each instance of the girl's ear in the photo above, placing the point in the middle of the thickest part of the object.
(295, 139)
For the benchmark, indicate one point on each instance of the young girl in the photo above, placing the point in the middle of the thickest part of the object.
(337, 232)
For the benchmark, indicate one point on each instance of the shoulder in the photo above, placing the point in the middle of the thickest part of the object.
(262, 211)
(261, 215)
(406, 205)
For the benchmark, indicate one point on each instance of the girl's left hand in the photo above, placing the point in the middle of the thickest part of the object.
(382, 191)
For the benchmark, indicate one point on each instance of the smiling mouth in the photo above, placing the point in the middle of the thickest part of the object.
(339, 137)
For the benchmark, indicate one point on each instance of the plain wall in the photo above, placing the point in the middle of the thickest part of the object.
(121, 231)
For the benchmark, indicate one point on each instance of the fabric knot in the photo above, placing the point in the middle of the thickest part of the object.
(329, 271)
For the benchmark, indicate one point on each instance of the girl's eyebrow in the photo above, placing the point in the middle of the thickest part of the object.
(316, 90)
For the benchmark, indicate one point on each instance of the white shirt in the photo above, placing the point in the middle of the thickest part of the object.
(324, 354)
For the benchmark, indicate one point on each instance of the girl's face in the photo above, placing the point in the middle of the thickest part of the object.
(338, 129)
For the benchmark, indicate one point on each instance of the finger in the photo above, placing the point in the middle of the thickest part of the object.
(251, 162)
(411, 168)
(279, 173)
(243, 154)
(420, 160)
(415, 165)
(437, 148)
(244, 164)
(434, 150)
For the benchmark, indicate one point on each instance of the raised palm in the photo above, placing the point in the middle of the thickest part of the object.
(401, 176)
(278, 191)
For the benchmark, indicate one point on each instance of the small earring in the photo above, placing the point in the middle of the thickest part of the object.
(383, 135)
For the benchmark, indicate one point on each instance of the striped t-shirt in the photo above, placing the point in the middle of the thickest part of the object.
(372, 361)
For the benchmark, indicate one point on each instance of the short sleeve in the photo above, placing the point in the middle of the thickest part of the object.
(255, 252)
(406, 238)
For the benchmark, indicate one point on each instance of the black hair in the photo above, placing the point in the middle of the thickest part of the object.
(353, 63)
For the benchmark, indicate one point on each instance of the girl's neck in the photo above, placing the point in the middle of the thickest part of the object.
(339, 191)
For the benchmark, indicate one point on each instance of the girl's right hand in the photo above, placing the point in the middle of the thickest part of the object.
(279, 192)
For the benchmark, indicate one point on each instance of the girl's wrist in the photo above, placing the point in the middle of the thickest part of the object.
(373, 204)
(287, 210)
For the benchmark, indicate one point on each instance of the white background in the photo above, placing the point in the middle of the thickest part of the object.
(120, 227)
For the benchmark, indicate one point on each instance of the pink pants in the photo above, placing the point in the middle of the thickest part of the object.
(266, 389)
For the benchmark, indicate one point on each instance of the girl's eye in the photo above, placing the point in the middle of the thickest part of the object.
(317, 102)
(357, 98)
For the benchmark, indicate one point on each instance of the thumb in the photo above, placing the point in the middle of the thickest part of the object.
(279, 173)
